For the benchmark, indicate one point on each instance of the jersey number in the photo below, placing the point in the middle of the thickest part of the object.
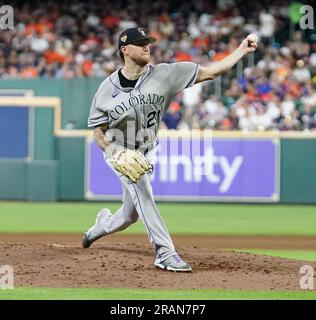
(152, 118)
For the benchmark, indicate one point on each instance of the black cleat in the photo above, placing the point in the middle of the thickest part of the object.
(97, 231)
(86, 243)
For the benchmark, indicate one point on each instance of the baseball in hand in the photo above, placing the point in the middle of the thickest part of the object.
(252, 38)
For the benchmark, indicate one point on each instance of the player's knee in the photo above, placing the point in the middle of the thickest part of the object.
(132, 219)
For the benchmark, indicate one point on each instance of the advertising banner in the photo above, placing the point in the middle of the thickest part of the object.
(204, 169)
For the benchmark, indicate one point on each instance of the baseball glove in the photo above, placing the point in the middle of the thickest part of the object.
(131, 163)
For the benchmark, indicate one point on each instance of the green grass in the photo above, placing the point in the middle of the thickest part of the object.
(139, 294)
(290, 254)
(234, 219)
(230, 219)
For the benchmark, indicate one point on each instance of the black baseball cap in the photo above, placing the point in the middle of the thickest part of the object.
(133, 36)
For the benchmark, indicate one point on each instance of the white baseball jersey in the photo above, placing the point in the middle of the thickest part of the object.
(137, 111)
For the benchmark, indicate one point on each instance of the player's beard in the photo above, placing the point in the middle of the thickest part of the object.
(142, 60)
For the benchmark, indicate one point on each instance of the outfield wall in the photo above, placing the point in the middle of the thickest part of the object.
(75, 94)
(21, 179)
(65, 178)
(39, 160)
(298, 170)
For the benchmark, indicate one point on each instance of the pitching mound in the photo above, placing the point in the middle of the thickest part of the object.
(129, 264)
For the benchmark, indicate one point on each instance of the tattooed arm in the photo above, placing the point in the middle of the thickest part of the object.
(103, 142)
(100, 138)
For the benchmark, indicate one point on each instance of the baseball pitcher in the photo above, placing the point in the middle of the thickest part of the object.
(125, 114)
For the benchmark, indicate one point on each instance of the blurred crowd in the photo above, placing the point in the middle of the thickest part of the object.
(275, 88)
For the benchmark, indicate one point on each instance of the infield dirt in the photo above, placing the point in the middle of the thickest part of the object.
(123, 261)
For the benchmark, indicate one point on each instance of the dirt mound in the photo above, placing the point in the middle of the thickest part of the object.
(129, 264)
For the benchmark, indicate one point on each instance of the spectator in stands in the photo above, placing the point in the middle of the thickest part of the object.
(172, 117)
(276, 90)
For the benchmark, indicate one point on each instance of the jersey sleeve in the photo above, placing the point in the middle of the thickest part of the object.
(182, 75)
(96, 116)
